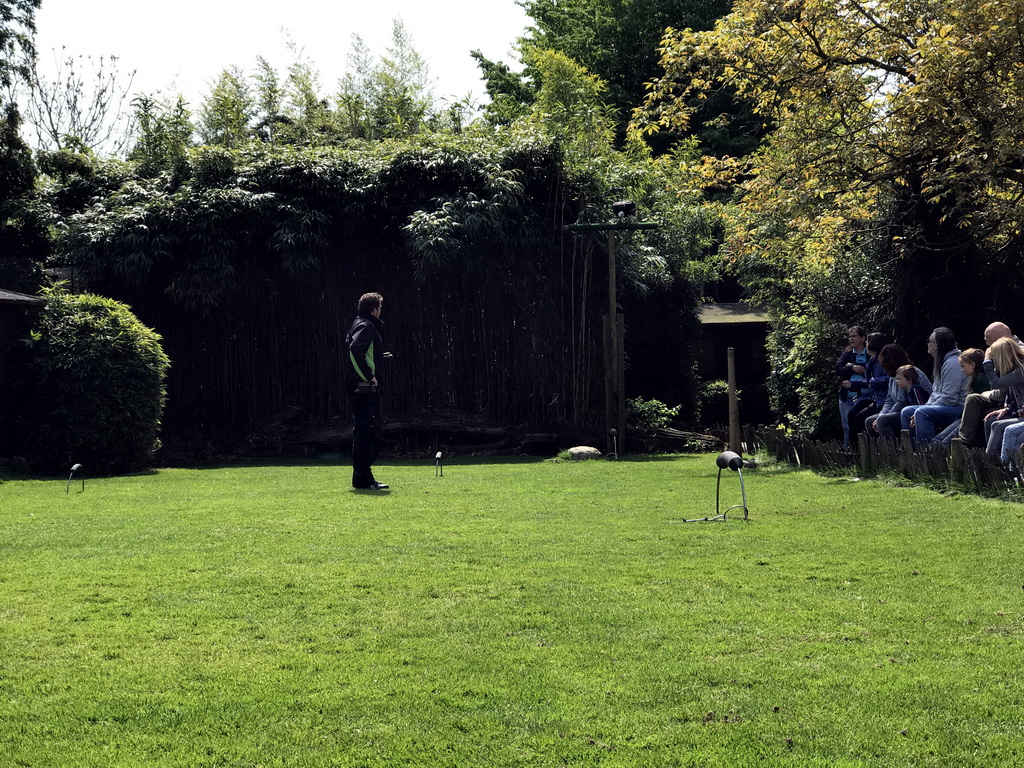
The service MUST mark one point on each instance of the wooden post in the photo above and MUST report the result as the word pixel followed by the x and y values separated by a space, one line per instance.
pixel 956 460
pixel 614 353
pixel 620 379
pixel 614 347
pixel 908 466
pixel 609 378
pixel 735 442
pixel 864 456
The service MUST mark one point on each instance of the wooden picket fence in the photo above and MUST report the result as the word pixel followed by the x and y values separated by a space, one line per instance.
pixel 750 436
pixel 969 467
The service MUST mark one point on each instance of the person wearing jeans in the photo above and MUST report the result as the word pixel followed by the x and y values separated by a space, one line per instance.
pixel 1004 365
pixel 886 423
pixel 949 390
pixel 851 369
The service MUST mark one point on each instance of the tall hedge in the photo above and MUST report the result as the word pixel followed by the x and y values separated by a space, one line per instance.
pixel 93 387
pixel 249 263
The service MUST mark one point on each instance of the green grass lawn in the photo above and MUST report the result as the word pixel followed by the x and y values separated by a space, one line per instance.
pixel 511 613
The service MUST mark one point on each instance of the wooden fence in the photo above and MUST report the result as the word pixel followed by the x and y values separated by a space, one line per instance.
pixel 964 465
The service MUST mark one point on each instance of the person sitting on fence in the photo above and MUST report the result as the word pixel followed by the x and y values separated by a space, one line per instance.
pixel 949 391
pixel 1010 455
pixel 873 389
pixel 1005 369
pixel 978 406
pixel 971 363
pixel 907 377
pixel 887 422
pixel 851 369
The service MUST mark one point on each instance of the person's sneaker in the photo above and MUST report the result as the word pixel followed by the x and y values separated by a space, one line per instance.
pixel 375 486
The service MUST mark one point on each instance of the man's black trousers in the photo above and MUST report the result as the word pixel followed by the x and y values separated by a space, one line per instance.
pixel 367 427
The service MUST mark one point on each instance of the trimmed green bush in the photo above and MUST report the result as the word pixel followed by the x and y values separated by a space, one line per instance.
pixel 94 387
pixel 714 402
pixel 650 415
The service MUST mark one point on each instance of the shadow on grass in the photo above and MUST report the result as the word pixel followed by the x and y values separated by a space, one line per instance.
pixel 10 477
pixel 343 462
pixel 405 461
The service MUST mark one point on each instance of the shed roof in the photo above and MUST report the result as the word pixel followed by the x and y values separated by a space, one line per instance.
pixel 730 313
pixel 22 299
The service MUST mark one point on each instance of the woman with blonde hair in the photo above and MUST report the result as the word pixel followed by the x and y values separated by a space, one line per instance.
pixel 1005 370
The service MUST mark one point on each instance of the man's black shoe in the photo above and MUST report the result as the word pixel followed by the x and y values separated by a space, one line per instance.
pixel 374 486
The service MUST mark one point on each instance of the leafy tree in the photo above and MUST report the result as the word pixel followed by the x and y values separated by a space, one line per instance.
pixel 390 97
pixel 226 113
pixel 17 24
pixel 269 102
pixel 94 387
pixel 511 97
pixel 24 241
pixel 23 237
pixel 570 105
pixel 165 134
pixel 893 145
pixel 310 121
pixel 617 40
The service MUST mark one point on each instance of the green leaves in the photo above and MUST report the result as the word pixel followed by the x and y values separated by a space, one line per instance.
pixel 93 386
pixel 241 215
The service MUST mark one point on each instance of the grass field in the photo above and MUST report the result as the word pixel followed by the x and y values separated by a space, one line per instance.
pixel 511 613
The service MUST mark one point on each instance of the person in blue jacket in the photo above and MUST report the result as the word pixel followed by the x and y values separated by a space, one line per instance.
pixel 851 369
pixel 949 390
pixel 873 389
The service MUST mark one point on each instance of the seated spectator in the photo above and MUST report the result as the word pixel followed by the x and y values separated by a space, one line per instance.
pixel 906 379
pixel 971 364
pixel 1009 455
pixel 873 389
pixel 851 369
pixel 887 422
pixel 1005 369
pixel 949 391
pixel 978 406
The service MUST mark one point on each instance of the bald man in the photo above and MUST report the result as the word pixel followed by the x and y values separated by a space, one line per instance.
pixel 978 406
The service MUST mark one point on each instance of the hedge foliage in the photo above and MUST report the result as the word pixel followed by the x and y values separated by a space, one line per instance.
pixel 249 262
pixel 93 387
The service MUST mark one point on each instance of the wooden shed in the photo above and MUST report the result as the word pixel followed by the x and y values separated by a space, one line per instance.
pixel 744 328
pixel 16 310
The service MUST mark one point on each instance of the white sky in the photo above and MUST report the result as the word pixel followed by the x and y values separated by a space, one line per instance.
pixel 183 45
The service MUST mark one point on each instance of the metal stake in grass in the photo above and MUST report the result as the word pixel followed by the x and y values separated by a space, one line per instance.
pixel 75 468
pixel 614 455
pixel 438 469
pixel 725 460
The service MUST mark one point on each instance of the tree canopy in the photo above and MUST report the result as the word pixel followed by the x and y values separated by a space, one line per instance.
pixel 17 24
pixel 23 229
pixel 616 41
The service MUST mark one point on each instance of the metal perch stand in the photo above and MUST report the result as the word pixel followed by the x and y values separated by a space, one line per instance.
pixel 733 461
pixel 75 468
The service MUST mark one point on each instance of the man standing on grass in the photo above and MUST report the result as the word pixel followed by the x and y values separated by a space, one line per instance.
pixel 363 348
